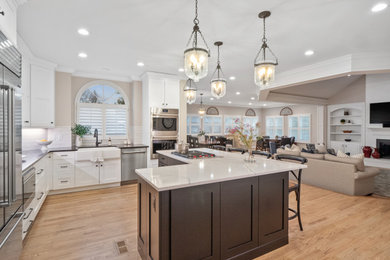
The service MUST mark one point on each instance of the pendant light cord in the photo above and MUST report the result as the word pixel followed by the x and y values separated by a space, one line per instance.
pixel 196 20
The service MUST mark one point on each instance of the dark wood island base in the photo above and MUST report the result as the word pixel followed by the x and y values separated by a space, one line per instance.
pixel 238 219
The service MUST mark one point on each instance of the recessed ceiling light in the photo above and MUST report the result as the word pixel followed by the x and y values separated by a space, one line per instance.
pixel 83 31
pixel 211 98
pixel 140 64
pixel 181 70
pixel 232 78
pixel 229 102
pixel 249 103
pixel 378 7
pixel 264 105
pixel 252 98
pixel 309 52
pixel 238 93
pixel 349 75
pixel 83 55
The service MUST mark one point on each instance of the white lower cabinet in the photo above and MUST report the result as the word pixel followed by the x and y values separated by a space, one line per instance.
pixel 110 171
pixel 87 173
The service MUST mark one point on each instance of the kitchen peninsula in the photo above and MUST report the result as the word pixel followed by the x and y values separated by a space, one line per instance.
pixel 212 208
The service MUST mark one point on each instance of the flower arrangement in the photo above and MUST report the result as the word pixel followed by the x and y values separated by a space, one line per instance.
pixel 247 134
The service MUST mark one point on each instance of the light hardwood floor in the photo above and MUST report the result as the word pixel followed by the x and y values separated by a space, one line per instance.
pixel 85 225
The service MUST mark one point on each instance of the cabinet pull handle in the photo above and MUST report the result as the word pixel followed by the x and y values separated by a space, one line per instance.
pixel 64 181
pixel 29 227
pixel 63 167
pixel 97 165
pixel 2 13
pixel 27 121
pixel 64 155
pixel 101 165
pixel 40 171
pixel 154 203
pixel 28 215
pixel 41 196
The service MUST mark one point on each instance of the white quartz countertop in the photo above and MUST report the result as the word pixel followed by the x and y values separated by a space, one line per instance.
pixel 224 167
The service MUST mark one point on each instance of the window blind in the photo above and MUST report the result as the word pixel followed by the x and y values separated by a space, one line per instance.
pixel 91 116
pixel 116 121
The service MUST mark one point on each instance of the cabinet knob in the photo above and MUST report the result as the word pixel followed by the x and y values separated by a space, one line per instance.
pixel 51 123
pixel 26 121
pixel 2 13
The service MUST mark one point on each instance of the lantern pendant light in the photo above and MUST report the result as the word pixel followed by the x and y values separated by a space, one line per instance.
pixel 202 109
pixel 196 57
pixel 264 66
pixel 218 85
pixel 190 91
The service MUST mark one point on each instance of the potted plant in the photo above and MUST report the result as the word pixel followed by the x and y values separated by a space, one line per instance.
pixel 342 121
pixel 79 131
pixel 201 136
pixel 247 134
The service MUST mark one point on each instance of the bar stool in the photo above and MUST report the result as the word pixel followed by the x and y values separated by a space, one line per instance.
pixel 263 153
pixel 295 187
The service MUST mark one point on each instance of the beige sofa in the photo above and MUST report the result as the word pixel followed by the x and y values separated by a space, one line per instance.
pixel 344 175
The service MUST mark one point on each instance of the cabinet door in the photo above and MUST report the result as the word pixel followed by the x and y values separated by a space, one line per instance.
pixel 26 92
pixel 172 93
pixel 142 217
pixel 239 216
pixel 156 93
pixel 195 228
pixel 42 96
pixel 110 171
pixel 8 20
pixel 86 173
pixel 352 148
pixel 273 207
pixel 153 225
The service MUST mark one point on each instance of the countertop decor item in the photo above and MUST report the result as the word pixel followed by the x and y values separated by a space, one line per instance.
pixel 44 143
pixel 342 121
pixel 264 65
pixel 247 135
pixel 79 131
pixel 376 154
pixel 218 84
pixel 190 91
pixel 367 150
pixel 347 131
pixel 348 140
pixel 196 57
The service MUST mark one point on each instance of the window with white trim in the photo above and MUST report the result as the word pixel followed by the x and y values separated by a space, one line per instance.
pixel 274 126
pixel 193 124
pixel 230 123
pixel 103 107
pixel 252 122
pixel 212 125
pixel 299 126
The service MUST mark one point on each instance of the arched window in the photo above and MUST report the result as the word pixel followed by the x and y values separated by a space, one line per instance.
pixel 103 106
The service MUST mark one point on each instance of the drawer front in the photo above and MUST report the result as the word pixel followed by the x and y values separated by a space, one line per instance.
pixel 64 156
pixel 63 182
pixel 63 167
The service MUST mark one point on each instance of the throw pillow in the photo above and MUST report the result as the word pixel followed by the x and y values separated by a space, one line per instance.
pixel 311 147
pixel 341 154
pixel 358 156
pixel 321 148
pixel 306 151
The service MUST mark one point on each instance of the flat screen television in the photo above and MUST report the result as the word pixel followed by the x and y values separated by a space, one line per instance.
pixel 380 113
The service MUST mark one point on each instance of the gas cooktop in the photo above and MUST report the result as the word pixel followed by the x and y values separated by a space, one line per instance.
pixel 194 154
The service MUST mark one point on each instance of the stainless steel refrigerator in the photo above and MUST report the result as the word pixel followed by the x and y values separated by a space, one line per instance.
pixel 11 190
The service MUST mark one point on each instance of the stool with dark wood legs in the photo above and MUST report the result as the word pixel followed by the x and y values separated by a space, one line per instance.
pixel 295 186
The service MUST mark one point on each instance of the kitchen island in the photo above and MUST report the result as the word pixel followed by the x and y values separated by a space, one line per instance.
pixel 212 208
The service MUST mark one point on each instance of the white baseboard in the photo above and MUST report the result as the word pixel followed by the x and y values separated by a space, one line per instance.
pixel 92 187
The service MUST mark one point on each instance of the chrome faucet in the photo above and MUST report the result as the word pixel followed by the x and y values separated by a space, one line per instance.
pixel 96 135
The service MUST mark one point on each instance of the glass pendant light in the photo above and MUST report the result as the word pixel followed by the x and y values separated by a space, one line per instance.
pixel 218 85
pixel 202 109
pixel 196 57
pixel 264 66
pixel 190 91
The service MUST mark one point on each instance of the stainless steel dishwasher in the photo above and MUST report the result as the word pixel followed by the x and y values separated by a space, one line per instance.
pixel 131 159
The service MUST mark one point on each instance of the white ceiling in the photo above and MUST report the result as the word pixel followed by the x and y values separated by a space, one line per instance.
pixel 322 89
pixel 123 32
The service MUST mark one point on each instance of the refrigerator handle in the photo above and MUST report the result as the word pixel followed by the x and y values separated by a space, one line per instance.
pixel 12 152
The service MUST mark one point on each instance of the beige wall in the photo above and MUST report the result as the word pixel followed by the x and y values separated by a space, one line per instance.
pixel 354 93
pixel 68 86
pixel 297 109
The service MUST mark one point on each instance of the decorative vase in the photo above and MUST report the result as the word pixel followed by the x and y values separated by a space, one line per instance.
pixel 250 157
pixel 376 154
pixel 367 150
pixel 79 141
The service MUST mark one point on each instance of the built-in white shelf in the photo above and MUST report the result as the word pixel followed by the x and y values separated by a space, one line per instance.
pixel 341 133
pixel 349 116
pixel 345 125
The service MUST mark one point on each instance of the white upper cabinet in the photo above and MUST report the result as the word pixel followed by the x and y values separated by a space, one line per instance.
pixel 26 90
pixel 161 90
pixel 42 103
pixel 8 20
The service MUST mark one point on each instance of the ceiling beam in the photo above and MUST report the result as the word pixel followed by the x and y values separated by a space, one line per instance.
pixel 295 99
